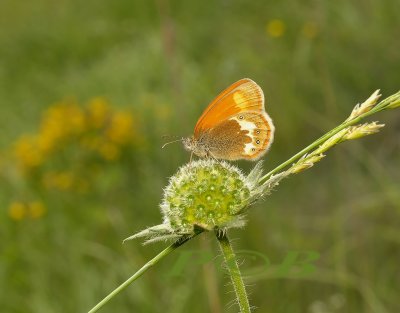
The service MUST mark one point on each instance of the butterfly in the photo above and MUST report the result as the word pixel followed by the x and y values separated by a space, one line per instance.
pixel 234 125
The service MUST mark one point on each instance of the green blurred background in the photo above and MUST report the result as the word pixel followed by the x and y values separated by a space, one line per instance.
pixel 88 89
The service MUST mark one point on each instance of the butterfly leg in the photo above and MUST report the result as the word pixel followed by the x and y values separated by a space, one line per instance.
pixel 211 156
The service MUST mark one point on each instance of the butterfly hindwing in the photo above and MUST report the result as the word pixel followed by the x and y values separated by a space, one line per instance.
pixel 246 135
pixel 261 131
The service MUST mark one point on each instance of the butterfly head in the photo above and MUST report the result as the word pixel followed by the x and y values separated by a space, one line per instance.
pixel 193 145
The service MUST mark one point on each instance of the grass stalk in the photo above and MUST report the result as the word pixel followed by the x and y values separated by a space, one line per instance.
pixel 379 107
pixel 234 272
pixel 141 271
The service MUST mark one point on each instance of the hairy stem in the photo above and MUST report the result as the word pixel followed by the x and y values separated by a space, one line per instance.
pixel 141 271
pixel 379 107
pixel 234 272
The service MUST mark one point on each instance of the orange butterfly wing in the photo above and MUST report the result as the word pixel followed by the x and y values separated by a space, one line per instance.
pixel 235 124
pixel 244 95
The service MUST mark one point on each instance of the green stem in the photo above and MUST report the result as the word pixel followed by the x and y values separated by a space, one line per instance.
pixel 379 107
pixel 141 271
pixel 234 272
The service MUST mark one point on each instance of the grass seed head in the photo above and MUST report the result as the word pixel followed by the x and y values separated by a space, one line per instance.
pixel 365 106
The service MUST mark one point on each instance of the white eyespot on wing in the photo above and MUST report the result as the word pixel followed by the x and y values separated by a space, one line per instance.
pixel 249 148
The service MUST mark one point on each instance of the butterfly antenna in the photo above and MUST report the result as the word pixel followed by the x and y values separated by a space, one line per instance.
pixel 167 143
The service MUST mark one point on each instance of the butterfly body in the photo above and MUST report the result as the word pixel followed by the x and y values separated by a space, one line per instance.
pixel 234 125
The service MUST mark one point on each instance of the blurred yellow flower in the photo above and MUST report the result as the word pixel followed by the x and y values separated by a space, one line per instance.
pixel 109 151
pixel 26 152
pixel 58 180
pixel 53 123
pixel 121 129
pixel 64 180
pixel 98 112
pixel 309 30
pixel 36 209
pixel 76 119
pixel 70 139
pixel 276 28
pixel 63 119
pixel 17 211
pixel 46 142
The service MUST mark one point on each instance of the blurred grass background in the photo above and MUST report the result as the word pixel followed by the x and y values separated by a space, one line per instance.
pixel 88 89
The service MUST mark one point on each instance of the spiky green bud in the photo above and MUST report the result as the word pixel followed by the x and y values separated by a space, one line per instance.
pixel 207 194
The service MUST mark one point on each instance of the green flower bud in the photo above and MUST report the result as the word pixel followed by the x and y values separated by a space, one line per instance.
pixel 211 195
pixel 206 195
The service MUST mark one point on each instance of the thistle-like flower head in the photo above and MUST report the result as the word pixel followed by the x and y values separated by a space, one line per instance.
pixel 205 195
